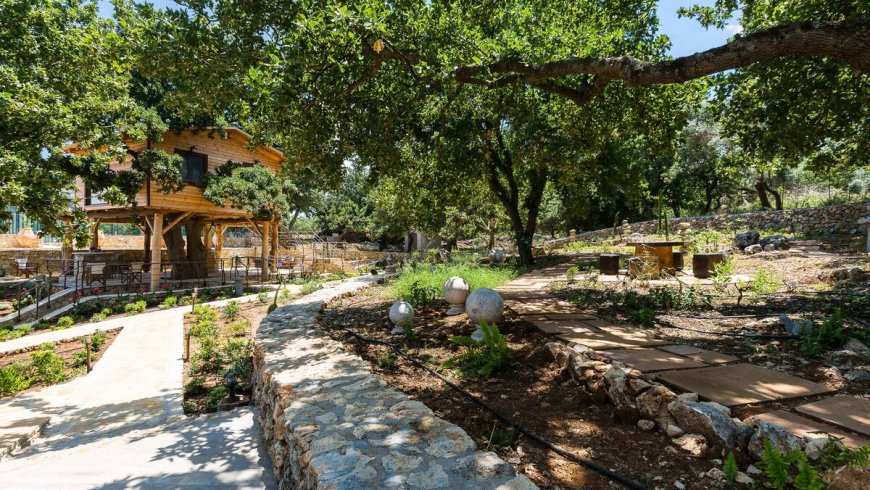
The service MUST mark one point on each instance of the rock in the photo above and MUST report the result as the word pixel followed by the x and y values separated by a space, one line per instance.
pixel 744 433
pixel 645 424
pixel 752 249
pixel 744 479
pixel 484 260
pixel 694 444
pixel 709 419
pixel 638 386
pixel 673 430
pixel 857 347
pixel 679 485
pixel 858 376
pixel 653 403
pixel 774 242
pixel 753 470
pixel 781 439
pixel 716 474
pixel 687 397
pixel 796 327
pixel 484 305
pixel 745 239
pixel 814 446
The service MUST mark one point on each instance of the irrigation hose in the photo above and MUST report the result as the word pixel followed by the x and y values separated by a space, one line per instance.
pixel 524 430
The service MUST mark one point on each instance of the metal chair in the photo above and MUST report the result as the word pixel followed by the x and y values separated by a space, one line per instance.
pixel 96 272
pixel 23 269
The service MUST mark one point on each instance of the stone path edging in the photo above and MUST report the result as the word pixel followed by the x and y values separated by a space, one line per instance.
pixel 330 423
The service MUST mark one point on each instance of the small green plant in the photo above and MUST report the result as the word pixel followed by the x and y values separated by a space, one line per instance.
pixel 63 323
pixel 480 357
pixel 135 307
pixel 204 313
pixel 232 310
pixel 169 302
pixel 645 316
pixel 47 367
pixel 388 361
pixel 97 341
pixel 722 273
pixel 310 287
pixel 240 327
pixel 205 328
pixel 764 282
pixel 14 378
pixel 101 315
pixel 80 359
pixel 263 297
pixel 196 386
pixel 214 397
pixel 184 301
pixel 730 469
pixel 571 273
pixel 829 335
pixel 835 454
pixel 504 437
pixel 778 468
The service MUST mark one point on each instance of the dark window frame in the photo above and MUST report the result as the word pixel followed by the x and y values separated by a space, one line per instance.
pixel 90 197
pixel 188 153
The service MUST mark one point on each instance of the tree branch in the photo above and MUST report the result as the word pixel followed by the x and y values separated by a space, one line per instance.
pixel 847 41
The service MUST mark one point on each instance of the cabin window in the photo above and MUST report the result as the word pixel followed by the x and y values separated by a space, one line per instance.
pixel 92 198
pixel 195 166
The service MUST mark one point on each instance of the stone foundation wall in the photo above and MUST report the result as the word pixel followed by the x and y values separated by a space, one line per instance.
pixel 828 220
pixel 328 422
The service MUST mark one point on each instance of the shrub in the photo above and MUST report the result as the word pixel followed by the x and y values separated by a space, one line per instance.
pixel 645 316
pixel 204 313
pixel 480 358
pixel 47 366
pixel 232 310
pixel 97 340
pixel 263 297
pixel 432 278
pixel 238 353
pixel 64 322
pixel 169 302
pixel 205 328
pixel 14 378
pixel 310 287
pixel 214 397
pixel 135 307
pixel 184 300
pixel 829 335
pixel 80 359
pixel 240 327
pixel 13 333
pixel 101 315
pixel 195 386
pixel 388 361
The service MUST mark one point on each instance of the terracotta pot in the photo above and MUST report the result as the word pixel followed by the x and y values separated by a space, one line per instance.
pixel 27 239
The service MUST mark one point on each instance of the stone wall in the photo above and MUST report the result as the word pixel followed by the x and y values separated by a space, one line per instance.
pixel 329 422
pixel 828 220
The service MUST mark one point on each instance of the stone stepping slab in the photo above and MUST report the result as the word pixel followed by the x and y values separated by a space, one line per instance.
pixel 562 326
pixel 541 307
pixel 805 427
pixel 618 339
pixel 570 316
pixel 740 384
pixel 700 355
pixel 651 360
pixel 846 411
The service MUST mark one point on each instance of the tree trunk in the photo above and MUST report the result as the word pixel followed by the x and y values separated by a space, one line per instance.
pixel 761 189
pixel 197 253
pixel 175 252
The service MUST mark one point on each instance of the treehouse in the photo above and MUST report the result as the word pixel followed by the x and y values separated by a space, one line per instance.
pixel 190 226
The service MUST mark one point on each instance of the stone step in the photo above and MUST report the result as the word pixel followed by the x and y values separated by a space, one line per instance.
pixel 741 384
pixel 802 427
pixel 650 360
pixel 846 411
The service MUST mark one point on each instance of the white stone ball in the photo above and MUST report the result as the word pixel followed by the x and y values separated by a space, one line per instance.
pixel 486 305
pixel 401 314
pixel 455 291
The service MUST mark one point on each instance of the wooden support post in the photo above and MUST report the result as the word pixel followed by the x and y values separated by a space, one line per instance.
pixel 264 251
pixel 146 257
pixel 156 242
pixel 219 243
pixel 95 239
pixel 209 254
pixel 274 247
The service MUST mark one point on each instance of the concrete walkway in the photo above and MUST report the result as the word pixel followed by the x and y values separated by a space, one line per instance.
pixel 712 375
pixel 122 425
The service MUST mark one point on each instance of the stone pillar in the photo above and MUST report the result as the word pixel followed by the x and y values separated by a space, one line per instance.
pixel 264 250
pixel 156 245
pixel 866 222
pixel 572 234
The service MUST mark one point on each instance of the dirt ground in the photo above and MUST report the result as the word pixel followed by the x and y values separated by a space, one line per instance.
pixel 530 391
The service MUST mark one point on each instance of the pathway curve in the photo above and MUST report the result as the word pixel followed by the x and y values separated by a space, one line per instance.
pixel 122 425
pixel 714 376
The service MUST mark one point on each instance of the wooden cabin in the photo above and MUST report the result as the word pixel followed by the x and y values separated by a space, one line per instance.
pixel 157 213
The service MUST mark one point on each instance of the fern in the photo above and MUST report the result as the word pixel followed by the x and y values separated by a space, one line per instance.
pixel 730 469
pixel 835 455
pixel 480 358
pixel 807 478
pixel 775 465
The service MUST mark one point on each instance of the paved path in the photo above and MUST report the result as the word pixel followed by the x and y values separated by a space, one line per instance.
pixel 713 375
pixel 122 425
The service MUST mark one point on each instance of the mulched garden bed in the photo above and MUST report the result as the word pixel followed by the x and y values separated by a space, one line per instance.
pixel 531 390
pixel 72 352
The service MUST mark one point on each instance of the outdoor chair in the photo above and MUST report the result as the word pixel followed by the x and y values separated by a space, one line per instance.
pixel 134 273
pixel 23 269
pixel 96 273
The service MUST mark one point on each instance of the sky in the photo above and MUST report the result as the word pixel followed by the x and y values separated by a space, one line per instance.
pixel 687 36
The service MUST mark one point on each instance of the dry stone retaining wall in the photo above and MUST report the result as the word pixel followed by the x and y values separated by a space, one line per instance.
pixel 827 220
pixel 330 423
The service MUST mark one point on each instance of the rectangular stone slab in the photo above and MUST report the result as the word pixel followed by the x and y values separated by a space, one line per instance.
pixel 846 411
pixel 569 316
pixel 700 355
pixel 651 360
pixel 608 340
pixel 563 326
pixel 739 384
pixel 802 426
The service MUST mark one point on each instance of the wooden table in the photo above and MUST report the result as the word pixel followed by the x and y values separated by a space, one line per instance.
pixel 662 251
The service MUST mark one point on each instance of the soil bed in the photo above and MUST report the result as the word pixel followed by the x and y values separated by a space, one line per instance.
pixel 530 390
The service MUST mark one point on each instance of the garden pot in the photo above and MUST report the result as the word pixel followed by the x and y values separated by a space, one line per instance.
pixel 608 264
pixel 27 239
pixel 703 264
pixel 678 261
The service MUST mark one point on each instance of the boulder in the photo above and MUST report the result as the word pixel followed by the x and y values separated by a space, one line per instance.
pixel 775 242
pixel 745 239
pixel 709 419
pixel 782 440
pixel 645 424
pixel 752 249
pixel 857 347
pixel 653 403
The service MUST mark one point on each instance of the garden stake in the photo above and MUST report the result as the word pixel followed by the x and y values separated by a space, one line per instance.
pixel 88 350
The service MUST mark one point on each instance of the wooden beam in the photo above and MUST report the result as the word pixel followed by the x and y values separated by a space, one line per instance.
pixel 176 221
pixel 156 242
pixel 257 229
pixel 264 252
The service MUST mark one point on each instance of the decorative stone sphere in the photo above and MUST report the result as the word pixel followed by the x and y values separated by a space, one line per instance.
pixel 497 256
pixel 455 291
pixel 401 314
pixel 484 305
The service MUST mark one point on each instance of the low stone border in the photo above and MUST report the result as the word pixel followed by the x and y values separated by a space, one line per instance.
pixel 695 427
pixel 330 423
